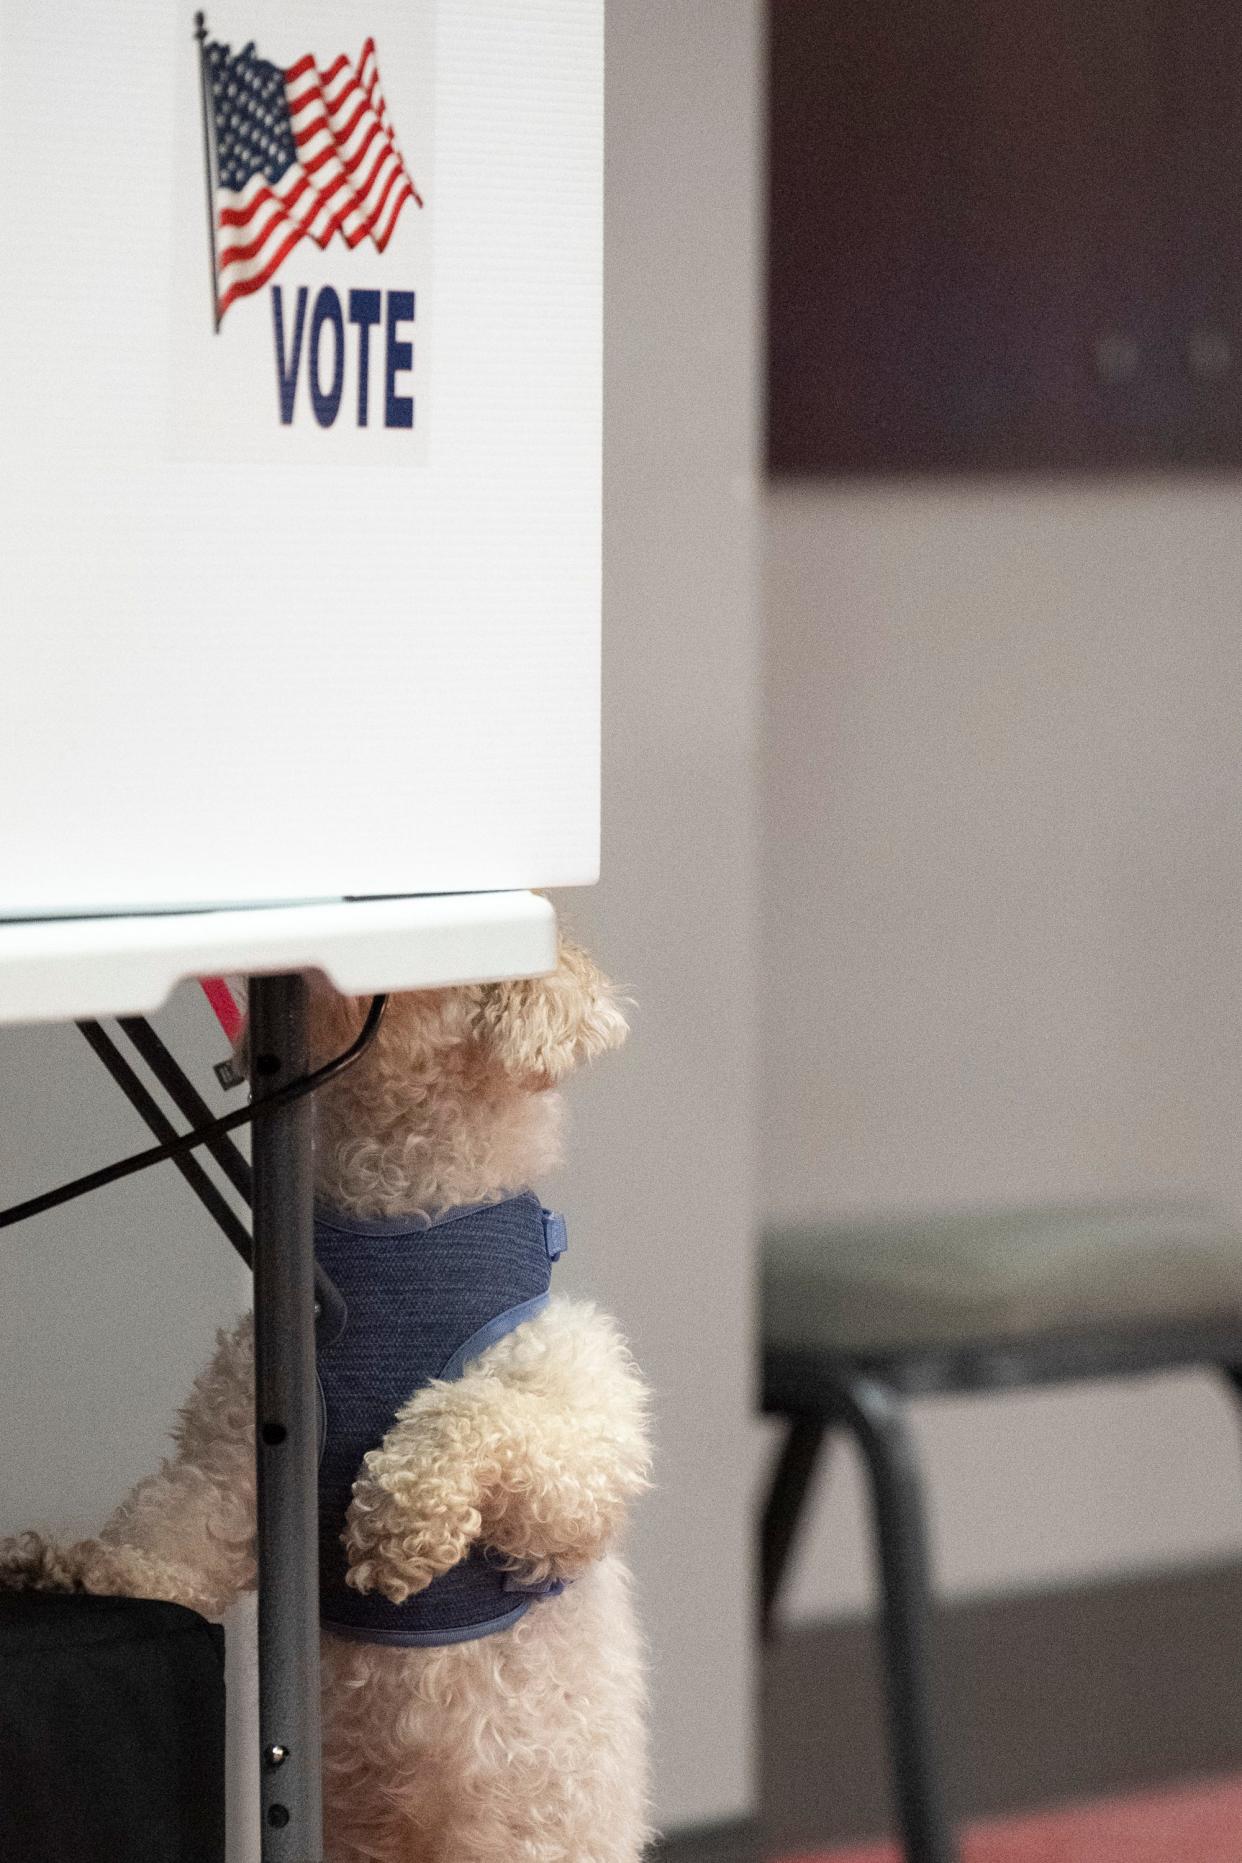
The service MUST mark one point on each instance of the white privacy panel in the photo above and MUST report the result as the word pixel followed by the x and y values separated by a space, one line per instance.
pixel 300 389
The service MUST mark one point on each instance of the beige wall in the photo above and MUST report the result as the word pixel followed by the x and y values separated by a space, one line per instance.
pixel 660 1182
pixel 1002 939
pixel 109 1304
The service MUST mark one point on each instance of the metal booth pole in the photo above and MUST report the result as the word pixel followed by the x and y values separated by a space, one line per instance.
pixel 285 1431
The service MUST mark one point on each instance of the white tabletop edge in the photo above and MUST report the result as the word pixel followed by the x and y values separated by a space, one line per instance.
pixel 54 970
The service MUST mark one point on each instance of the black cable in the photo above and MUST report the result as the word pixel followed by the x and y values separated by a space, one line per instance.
pixel 188 1100
pixel 150 1112
pixel 175 1148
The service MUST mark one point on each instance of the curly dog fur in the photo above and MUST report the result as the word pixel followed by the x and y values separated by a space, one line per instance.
pixel 526 1746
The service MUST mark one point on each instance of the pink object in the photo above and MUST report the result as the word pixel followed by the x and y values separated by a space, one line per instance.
pixel 1192 1824
pixel 221 998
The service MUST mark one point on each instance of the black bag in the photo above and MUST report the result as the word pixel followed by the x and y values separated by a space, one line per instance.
pixel 111 1731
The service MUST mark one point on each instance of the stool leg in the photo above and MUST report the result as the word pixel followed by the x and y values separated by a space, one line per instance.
pixel 876 1415
pixel 1233 1378
pixel 791 1480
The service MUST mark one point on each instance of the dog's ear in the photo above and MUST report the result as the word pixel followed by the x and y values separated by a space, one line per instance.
pixel 539 1028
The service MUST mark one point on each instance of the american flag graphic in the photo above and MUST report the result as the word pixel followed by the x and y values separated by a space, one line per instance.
pixel 300 153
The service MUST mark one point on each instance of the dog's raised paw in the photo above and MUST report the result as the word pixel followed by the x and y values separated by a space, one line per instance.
pixel 396 1550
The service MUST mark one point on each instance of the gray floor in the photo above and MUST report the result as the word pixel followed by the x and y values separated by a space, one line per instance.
pixel 1068 1694
pixel 1045 1698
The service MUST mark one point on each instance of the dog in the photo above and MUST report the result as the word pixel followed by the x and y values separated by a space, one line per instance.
pixel 498 1487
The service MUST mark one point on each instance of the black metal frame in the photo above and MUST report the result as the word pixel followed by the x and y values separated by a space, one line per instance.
pixel 286 1418
pixel 819 1393
pixel 156 1121
pixel 279 1185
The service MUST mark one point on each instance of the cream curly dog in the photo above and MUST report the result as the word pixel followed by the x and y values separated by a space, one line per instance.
pixel 526 1744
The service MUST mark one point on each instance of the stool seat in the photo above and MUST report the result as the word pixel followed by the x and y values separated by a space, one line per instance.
pixel 886 1285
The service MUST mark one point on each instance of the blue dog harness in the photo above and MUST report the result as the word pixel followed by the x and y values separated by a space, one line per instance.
pixel 412 1301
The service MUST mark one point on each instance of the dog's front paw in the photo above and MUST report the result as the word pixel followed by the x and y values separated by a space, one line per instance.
pixel 28 1562
pixel 395 1541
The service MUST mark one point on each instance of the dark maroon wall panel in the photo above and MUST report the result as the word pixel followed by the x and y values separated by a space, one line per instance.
pixel 1004 234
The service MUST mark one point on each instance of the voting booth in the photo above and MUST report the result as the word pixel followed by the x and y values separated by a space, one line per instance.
pixel 300 365
pixel 300 352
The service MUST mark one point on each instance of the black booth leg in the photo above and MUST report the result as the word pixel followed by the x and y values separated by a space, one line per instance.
pixel 796 1463
pixel 876 1415
pixel 285 1419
